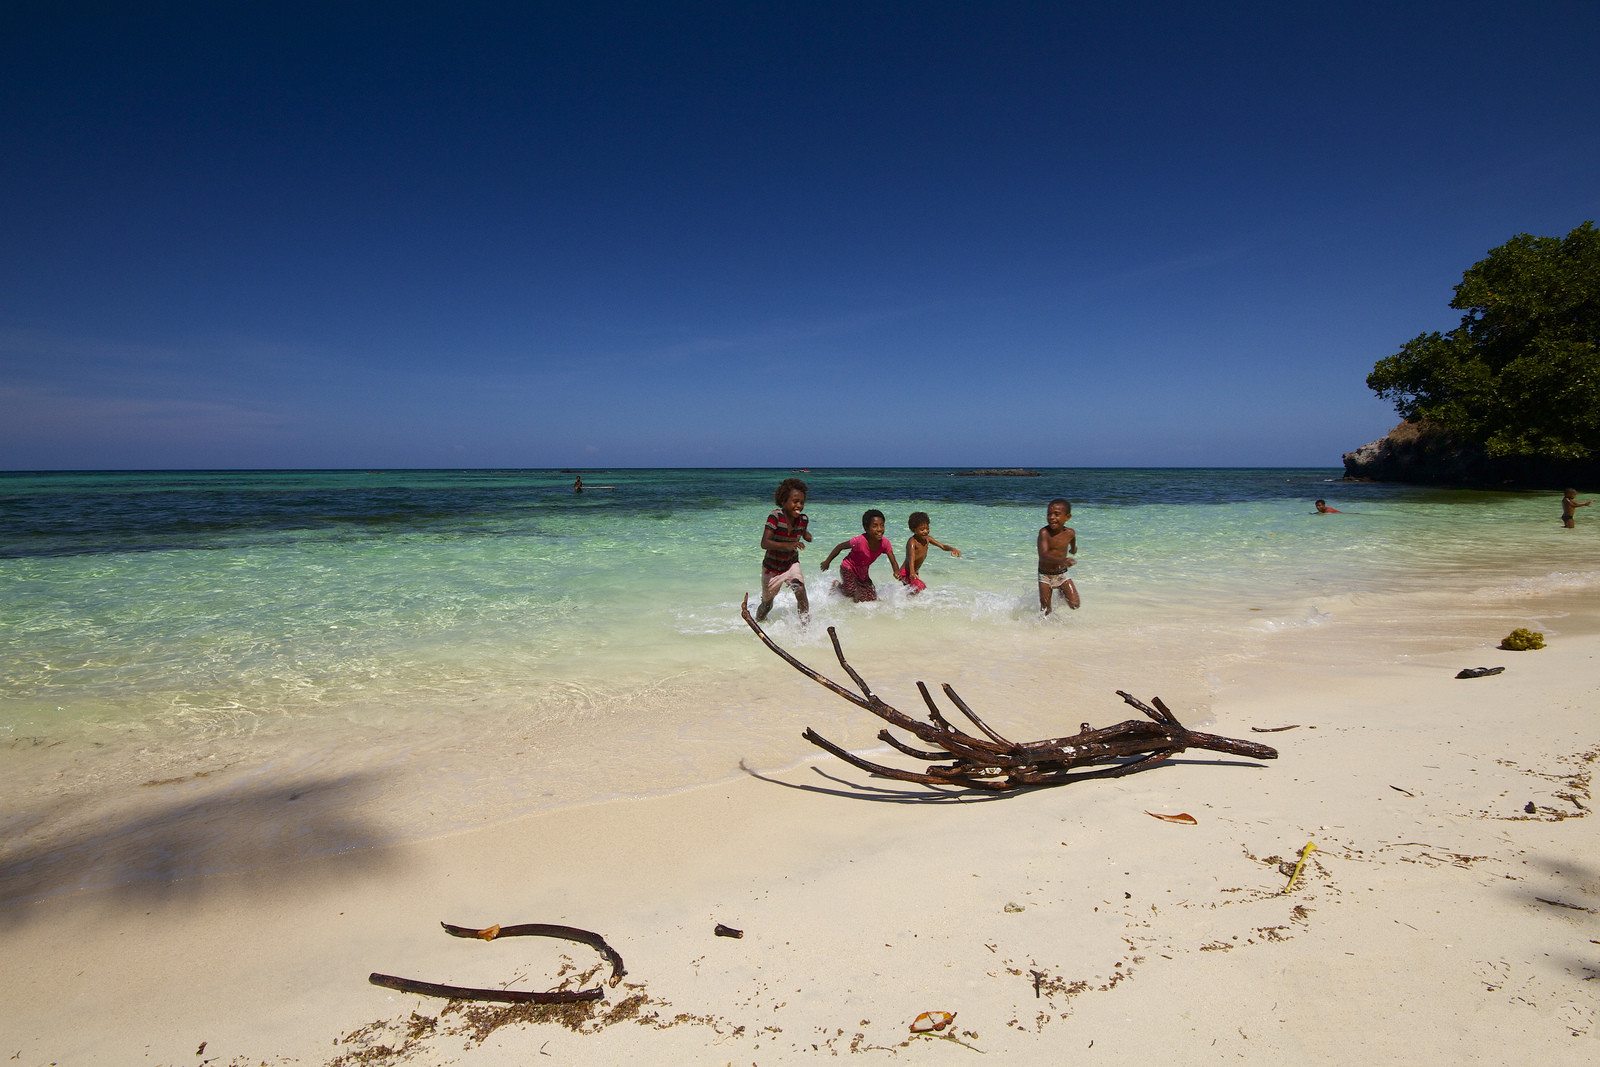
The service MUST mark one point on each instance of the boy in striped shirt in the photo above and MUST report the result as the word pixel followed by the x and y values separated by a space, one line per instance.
pixel 785 535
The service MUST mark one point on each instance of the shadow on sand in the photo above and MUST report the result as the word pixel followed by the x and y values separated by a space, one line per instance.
pixel 913 793
pixel 1568 895
pixel 159 848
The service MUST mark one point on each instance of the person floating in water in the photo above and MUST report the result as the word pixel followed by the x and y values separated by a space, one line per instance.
pixel 1569 506
pixel 1057 545
pixel 917 551
pixel 864 548
pixel 783 538
pixel 1324 509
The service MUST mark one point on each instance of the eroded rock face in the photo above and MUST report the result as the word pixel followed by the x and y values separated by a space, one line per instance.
pixel 1420 453
pixel 1411 452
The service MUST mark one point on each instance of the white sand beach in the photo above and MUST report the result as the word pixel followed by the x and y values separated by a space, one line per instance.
pixel 1436 918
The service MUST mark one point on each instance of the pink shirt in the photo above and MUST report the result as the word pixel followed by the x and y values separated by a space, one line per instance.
pixel 861 556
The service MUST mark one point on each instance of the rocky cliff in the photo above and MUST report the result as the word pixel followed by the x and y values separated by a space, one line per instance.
pixel 1420 453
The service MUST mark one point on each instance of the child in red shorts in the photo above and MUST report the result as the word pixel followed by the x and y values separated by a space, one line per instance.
pixel 917 551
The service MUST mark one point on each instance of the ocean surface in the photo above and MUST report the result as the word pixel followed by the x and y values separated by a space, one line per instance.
pixel 442 649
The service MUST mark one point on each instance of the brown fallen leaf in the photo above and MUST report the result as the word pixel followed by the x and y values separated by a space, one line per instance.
pixel 932 1020
pixel 1186 819
pixel 489 933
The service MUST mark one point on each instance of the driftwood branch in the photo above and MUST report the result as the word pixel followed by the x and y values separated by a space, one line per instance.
pixel 990 762
pixel 512 996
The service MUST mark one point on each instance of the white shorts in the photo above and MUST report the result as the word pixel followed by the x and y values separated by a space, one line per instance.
pixel 772 584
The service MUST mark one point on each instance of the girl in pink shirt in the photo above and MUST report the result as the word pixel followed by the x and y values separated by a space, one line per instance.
pixel 853 577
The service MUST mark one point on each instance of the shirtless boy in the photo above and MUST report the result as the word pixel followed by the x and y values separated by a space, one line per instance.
pixel 1057 545
pixel 783 538
pixel 917 551
pixel 1569 506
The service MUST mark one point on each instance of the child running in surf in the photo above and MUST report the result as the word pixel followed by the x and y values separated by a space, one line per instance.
pixel 868 546
pixel 917 551
pixel 1057 545
pixel 785 535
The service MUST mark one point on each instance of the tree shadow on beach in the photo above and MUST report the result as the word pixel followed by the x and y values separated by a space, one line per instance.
pixel 163 849
pixel 912 793
pixel 1569 894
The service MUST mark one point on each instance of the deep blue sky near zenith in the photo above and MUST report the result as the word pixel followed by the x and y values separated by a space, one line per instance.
pixel 254 234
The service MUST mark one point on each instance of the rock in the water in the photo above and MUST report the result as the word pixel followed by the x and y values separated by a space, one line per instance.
pixel 991 472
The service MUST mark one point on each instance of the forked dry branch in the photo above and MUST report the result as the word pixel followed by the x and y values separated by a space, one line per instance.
pixel 993 763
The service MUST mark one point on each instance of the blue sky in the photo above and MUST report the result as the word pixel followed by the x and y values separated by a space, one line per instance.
pixel 755 234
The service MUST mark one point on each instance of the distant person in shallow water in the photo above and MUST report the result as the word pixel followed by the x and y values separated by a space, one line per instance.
pixel 1570 504
pixel 1324 509
pixel 783 538
pixel 1057 545
pixel 577 484
pixel 864 548
pixel 917 551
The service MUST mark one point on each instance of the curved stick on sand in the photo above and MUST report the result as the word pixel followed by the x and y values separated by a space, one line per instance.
pixel 512 996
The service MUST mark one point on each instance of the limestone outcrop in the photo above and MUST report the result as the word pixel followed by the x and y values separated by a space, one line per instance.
pixel 1420 453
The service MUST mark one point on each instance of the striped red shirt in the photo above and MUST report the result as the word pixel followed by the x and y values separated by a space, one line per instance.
pixel 781 529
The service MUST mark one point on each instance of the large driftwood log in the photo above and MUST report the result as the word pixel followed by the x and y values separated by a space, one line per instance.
pixel 993 763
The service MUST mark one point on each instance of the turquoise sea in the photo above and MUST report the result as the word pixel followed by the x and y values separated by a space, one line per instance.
pixel 446 648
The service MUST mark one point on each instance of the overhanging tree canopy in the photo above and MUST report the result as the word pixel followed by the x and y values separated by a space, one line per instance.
pixel 1521 375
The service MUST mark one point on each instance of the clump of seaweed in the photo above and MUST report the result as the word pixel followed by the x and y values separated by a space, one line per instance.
pixel 1522 640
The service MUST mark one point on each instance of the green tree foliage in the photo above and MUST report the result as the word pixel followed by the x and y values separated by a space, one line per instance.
pixel 1521 375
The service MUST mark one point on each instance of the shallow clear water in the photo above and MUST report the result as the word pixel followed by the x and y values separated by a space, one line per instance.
pixel 493 639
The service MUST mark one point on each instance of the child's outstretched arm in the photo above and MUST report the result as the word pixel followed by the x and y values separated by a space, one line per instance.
pixel 894 568
pixel 953 551
pixel 838 548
